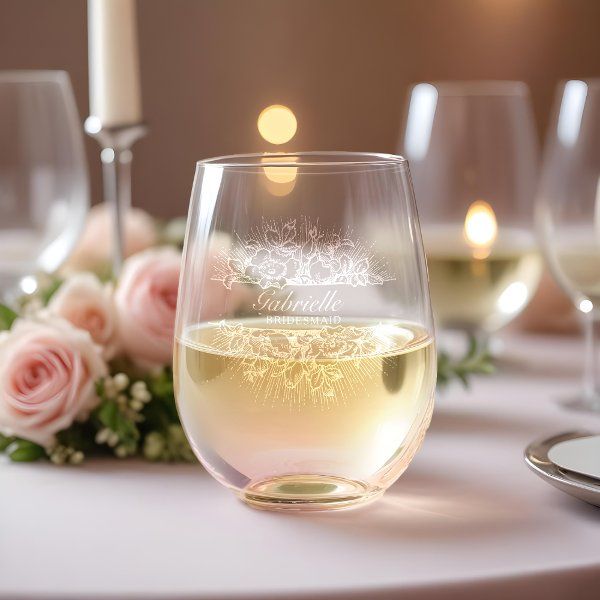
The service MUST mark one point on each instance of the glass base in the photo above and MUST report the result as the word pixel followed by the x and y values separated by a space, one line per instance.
pixel 582 403
pixel 308 493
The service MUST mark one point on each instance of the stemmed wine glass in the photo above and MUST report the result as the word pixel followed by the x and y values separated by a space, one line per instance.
pixel 44 194
pixel 569 214
pixel 473 153
pixel 304 358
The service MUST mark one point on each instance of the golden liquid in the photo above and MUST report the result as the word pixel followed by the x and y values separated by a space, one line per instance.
pixel 579 267
pixel 473 293
pixel 261 401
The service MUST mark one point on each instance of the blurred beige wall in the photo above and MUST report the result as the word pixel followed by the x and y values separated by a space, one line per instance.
pixel 343 66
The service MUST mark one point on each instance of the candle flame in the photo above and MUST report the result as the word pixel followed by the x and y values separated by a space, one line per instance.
pixel 481 228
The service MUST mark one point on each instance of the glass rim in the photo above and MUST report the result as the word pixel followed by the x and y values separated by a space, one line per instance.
pixel 477 87
pixel 32 75
pixel 260 160
pixel 589 81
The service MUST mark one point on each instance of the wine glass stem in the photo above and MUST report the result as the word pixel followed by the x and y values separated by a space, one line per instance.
pixel 591 374
pixel 116 166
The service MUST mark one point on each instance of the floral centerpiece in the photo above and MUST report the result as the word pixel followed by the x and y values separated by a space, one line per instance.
pixel 85 362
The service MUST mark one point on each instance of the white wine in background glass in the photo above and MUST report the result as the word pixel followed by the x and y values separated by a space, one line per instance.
pixel 312 385
pixel 473 153
pixel 44 195
pixel 568 215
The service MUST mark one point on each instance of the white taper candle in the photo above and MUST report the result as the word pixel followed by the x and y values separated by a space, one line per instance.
pixel 113 62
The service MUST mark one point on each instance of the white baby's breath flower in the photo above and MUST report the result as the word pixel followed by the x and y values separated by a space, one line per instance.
pixel 121 451
pixel 102 436
pixel 121 381
pixel 136 405
pixel 77 458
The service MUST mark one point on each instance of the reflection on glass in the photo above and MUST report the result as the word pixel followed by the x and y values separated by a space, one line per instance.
pixel 280 180
pixel 569 213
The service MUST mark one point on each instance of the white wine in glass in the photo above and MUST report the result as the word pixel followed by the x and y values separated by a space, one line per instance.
pixel 577 267
pixel 568 212
pixel 315 390
pixel 475 288
pixel 473 154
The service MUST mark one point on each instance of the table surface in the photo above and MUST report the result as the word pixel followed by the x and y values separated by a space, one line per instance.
pixel 467 518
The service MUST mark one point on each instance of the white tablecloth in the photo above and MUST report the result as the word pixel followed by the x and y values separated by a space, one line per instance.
pixel 467 520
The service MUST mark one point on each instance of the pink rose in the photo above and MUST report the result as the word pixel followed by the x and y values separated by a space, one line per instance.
pixel 47 373
pixel 94 249
pixel 146 300
pixel 88 304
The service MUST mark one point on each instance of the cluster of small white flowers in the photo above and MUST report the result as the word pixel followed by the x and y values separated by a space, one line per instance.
pixel 113 386
pixel 131 403
pixel 107 436
pixel 60 455
pixel 139 395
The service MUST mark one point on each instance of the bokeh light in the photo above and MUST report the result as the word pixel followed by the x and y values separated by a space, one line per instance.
pixel 277 124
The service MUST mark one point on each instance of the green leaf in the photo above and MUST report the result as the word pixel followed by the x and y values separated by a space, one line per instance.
pixel 5 442
pixel 25 451
pixel 99 385
pixel 477 360
pixel 162 384
pixel 107 413
pixel 7 317
pixel 126 429
pixel 472 348
pixel 49 291
pixel 79 436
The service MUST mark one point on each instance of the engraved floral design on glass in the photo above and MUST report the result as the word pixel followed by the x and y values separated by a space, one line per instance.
pixel 298 252
pixel 288 359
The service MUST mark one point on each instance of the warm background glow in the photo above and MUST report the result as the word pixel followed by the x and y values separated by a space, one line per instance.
pixel 214 112
pixel 277 124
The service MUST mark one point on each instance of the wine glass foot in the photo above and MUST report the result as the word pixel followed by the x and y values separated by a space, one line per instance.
pixel 308 493
pixel 582 403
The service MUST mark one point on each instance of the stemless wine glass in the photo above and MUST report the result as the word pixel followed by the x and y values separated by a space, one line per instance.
pixel 43 178
pixel 569 214
pixel 304 359
pixel 474 156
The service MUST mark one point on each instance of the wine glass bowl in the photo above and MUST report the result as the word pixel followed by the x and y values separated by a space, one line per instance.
pixel 44 194
pixel 310 386
pixel 473 153
pixel 568 213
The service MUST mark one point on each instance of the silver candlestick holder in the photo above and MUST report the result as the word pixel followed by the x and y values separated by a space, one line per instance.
pixel 116 155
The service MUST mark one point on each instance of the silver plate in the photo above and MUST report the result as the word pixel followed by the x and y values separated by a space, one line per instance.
pixel 580 486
